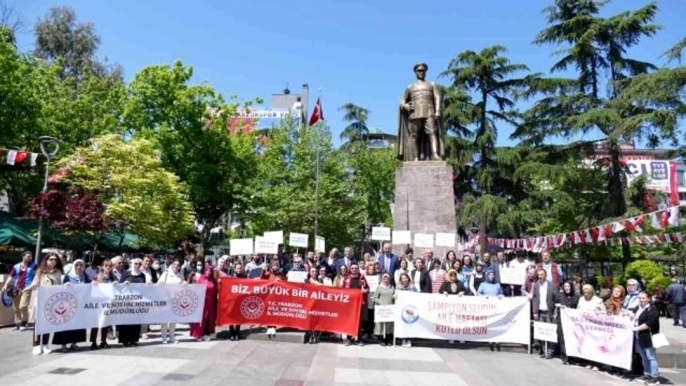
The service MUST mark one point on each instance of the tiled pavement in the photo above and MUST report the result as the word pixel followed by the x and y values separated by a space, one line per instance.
pixel 285 364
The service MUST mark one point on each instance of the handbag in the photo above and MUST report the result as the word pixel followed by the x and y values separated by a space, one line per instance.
pixel 660 340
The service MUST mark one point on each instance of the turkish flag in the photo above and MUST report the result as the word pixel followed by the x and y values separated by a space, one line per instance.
pixel 317 113
pixel 21 156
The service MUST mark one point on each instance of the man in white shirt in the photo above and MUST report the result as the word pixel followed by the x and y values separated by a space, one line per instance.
pixel 543 304
pixel 521 264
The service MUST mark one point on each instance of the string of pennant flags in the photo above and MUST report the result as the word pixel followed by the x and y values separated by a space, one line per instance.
pixel 602 234
pixel 17 157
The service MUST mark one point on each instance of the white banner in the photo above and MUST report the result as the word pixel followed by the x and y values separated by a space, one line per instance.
pixel 402 237
pixel 445 239
pixel 598 337
pixel 264 114
pixel 319 244
pixel 298 240
pixel 545 331
pixel 372 282
pixel 468 318
pixel 296 276
pixel 424 240
pixel 274 236
pixel 61 308
pixel 265 245
pixel 240 247
pixel 384 313
pixel 656 172
pixel 512 275
pixel 381 233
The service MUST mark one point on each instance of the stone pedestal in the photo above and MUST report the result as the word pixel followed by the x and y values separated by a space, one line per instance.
pixel 424 201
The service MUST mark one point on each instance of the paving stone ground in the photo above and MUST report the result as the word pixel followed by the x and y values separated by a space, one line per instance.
pixel 249 362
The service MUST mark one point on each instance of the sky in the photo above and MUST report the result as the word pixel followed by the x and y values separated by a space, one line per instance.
pixel 354 51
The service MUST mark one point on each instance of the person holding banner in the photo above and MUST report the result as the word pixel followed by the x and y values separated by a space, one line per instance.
pixel 565 299
pixel 341 277
pixel 357 281
pixel 646 324
pixel 235 329
pixel 104 276
pixel 130 334
pixel 420 277
pixel 476 279
pixel 49 273
pixel 437 275
pixel 384 296
pixel 314 278
pixel 405 284
pixel 76 276
pixel 171 276
pixel 543 303
pixel 373 278
pixel 202 331
pixel 452 286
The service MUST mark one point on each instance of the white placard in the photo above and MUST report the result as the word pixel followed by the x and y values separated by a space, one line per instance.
pixel 372 282
pixel 298 240
pixel 297 276
pixel 445 239
pixel 402 237
pixel 468 318
pixel 384 313
pixel 424 240
pixel 61 308
pixel 512 275
pixel 545 331
pixel 274 236
pixel 241 247
pixel 319 244
pixel 381 233
pixel 264 245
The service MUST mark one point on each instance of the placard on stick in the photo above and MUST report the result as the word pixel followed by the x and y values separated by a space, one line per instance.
pixel 298 240
pixel 424 240
pixel 402 237
pixel 381 233
pixel 241 247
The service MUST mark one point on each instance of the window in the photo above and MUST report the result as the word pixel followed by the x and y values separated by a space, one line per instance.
pixel 680 178
pixel 682 196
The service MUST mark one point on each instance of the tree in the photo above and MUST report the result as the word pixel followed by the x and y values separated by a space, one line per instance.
pixel 61 39
pixel 190 125
pixel 357 130
pixel 283 187
pixel 488 75
pixel 374 180
pixel 597 48
pixel 137 192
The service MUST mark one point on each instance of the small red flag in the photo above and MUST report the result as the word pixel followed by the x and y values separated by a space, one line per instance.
pixel 317 113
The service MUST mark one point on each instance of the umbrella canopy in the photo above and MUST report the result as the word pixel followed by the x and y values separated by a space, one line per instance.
pixel 13 233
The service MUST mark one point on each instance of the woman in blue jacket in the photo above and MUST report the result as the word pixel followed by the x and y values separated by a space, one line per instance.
pixel 490 287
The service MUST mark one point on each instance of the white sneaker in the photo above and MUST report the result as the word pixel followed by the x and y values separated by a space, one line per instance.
pixel 37 350
pixel 164 341
pixel 206 338
pixel 22 328
pixel 173 341
pixel 46 350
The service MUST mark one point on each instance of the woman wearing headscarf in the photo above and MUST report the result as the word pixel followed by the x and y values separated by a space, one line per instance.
pixel 235 329
pixel 476 278
pixel 384 296
pixel 490 287
pixel 452 286
pixel 49 273
pixel 613 305
pixel 105 276
pixel 131 333
pixel 564 299
pixel 590 303
pixel 202 331
pixel 172 276
pixel 76 276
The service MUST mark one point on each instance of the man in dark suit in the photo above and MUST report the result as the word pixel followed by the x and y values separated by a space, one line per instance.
pixel 346 259
pixel 388 261
pixel 543 304
pixel 420 277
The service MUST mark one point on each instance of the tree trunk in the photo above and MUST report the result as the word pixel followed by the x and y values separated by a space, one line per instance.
pixel 482 236
pixel 205 236
pixel 615 191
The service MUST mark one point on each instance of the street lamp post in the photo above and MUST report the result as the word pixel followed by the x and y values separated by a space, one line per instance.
pixel 44 143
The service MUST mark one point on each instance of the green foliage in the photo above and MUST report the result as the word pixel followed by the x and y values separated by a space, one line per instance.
pixel 357 130
pixel 190 125
pixel 661 282
pixel 374 180
pixel 643 269
pixel 282 189
pixel 137 191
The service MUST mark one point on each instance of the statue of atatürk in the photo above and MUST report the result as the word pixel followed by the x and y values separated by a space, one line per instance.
pixel 419 132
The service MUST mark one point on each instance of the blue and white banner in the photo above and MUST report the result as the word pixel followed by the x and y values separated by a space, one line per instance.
pixel 465 318
pixel 61 308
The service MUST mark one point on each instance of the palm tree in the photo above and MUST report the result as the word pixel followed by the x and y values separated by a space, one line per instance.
pixel 357 130
pixel 489 77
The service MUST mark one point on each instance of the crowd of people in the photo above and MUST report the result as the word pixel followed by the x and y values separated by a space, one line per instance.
pixel 377 277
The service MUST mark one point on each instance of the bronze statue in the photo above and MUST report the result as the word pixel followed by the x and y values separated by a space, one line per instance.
pixel 419 131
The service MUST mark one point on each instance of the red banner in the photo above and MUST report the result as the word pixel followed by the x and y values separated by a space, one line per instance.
pixel 284 304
